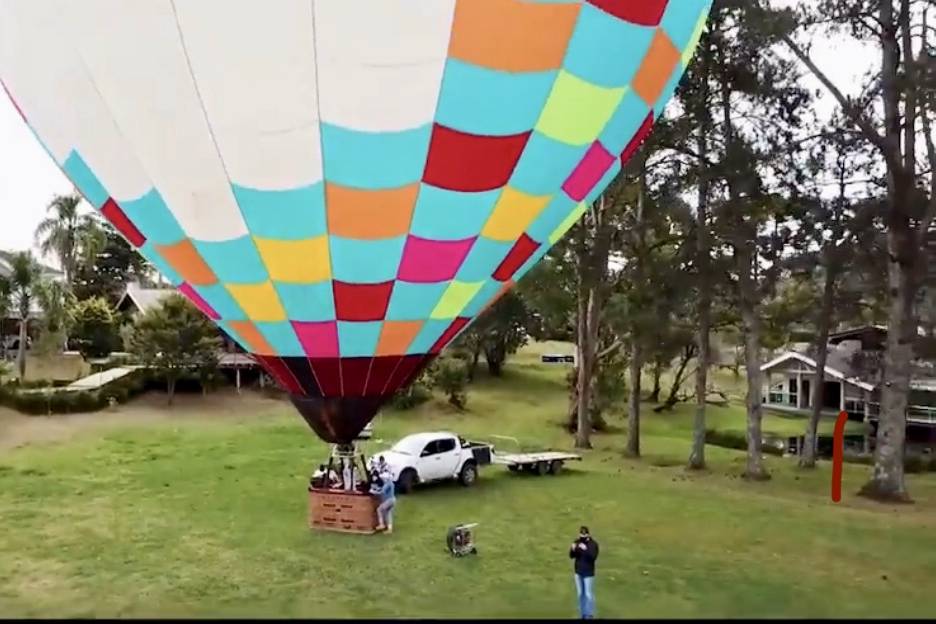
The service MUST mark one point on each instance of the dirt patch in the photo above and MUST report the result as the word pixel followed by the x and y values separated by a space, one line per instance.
pixel 18 430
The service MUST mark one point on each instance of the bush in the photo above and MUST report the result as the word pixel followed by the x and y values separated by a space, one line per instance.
pixel 450 376
pixel 414 395
pixel 738 440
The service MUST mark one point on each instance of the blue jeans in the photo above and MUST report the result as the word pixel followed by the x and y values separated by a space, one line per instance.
pixel 585 588
pixel 385 512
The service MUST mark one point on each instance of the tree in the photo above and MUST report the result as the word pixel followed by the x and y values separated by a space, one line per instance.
pixel 173 339
pixel 5 305
pixel 894 113
pixel 498 332
pixel 54 300
pixel 758 108
pixel 94 327
pixel 25 282
pixel 448 375
pixel 107 272
pixel 68 234
pixel 842 239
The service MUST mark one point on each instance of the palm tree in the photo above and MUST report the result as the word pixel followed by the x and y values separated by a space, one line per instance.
pixel 68 234
pixel 25 282
pixel 5 289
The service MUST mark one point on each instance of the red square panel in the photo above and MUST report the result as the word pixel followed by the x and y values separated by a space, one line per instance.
pixel 642 12
pixel 645 128
pixel 459 161
pixel 361 302
pixel 118 218
pixel 519 253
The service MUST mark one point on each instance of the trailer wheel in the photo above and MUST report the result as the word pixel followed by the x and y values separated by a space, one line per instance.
pixel 542 468
pixel 407 481
pixel 555 467
pixel 469 474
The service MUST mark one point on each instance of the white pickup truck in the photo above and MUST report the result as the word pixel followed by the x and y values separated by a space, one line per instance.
pixel 439 456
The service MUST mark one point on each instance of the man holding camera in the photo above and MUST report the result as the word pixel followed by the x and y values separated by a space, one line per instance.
pixel 584 551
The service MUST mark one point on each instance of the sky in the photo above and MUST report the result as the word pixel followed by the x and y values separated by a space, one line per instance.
pixel 29 178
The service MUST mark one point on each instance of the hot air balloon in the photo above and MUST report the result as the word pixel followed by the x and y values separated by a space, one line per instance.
pixel 343 185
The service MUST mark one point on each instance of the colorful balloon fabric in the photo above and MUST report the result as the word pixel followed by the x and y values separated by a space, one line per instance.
pixel 343 185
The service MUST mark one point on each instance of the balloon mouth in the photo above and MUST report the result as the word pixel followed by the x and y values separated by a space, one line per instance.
pixel 337 397
pixel 337 420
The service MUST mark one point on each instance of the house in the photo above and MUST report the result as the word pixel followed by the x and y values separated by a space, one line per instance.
pixel 137 299
pixel 851 382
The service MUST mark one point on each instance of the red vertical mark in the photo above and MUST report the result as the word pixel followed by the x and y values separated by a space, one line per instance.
pixel 838 449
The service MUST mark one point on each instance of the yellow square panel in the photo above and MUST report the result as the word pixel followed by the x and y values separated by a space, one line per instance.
pixel 296 261
pixel 259 301
pixel 513 214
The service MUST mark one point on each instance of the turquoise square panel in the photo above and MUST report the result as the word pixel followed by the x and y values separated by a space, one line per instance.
pixel 483 101
pixel 307 302
pixel 605 50
pixel 365 261
pixel 441 214
pixel 358 339
pixel 235 261
pixel 374 160
pixel 414 302
pixel 151 216
pixel 294 214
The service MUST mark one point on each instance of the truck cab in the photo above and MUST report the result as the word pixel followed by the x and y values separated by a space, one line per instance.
pixel 434 456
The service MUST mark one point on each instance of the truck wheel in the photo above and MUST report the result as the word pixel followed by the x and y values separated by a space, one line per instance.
pixel 513 468
pixel 555 467
pixel 407 481
pixel 542 468
pixel 469 474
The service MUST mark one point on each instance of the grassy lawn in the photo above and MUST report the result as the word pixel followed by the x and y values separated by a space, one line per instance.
pixel 201 511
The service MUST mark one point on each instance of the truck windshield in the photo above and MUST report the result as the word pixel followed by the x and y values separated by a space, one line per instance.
pixel 403 447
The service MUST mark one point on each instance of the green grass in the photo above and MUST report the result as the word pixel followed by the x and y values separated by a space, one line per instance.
pixel 199 515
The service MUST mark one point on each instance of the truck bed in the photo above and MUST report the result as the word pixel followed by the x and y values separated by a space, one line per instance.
pixel 522 459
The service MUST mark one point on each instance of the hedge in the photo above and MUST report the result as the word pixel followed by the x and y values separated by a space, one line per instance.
pixel 737 440
pixel 51 401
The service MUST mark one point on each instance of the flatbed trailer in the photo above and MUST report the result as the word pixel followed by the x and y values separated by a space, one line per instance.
pixel 541 463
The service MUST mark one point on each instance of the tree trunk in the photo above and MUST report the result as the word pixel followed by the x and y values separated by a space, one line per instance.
pixel 657 373
pixel 586 349
pixel 755 469
pixel 887 481
pixel 633 404
pixel 678 380
pixel 703 259
pixel 21 351
pixel 697 455
pixel 473 367
pixel 808 457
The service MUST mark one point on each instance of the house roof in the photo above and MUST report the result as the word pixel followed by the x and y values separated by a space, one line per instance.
pixel 143 298
pixel 834 357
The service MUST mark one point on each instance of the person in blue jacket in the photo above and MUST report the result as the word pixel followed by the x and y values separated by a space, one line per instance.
pixel 387 501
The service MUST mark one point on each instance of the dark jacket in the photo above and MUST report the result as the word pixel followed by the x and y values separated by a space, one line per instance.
pixel 584 559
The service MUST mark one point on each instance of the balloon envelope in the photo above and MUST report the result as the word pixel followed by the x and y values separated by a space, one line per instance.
pixel 343 185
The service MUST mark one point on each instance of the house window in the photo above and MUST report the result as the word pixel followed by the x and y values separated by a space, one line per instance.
pixel 793 393
pixel 775 395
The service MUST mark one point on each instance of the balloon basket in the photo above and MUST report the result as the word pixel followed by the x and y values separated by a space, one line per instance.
pixel 342 511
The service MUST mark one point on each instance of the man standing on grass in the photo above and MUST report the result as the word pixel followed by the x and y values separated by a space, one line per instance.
pixel 584 551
